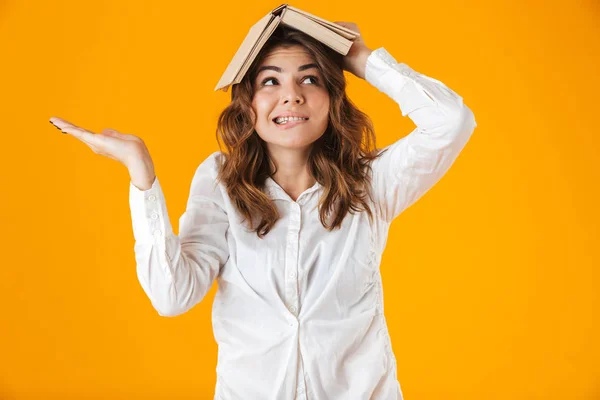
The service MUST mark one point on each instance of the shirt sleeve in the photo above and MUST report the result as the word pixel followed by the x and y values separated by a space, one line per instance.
pixel 409 167
pixel 176 272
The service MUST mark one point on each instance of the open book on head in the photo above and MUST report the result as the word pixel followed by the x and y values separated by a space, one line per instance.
pixel 337 37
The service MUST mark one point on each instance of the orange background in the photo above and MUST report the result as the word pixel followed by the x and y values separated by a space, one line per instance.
pixel 490 280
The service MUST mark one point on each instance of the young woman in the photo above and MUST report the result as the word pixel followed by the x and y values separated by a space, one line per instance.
pixel 292 220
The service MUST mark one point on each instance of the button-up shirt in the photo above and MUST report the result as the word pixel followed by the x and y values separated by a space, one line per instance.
pixel 299 314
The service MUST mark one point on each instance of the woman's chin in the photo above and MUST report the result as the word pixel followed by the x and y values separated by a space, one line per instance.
pixel 291 143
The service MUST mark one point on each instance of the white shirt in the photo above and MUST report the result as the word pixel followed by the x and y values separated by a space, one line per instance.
pixel 299 314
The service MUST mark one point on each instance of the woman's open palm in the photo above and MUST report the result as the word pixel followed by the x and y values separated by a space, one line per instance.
pixel 110 143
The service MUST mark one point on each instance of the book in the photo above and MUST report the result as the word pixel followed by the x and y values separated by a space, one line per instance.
pixel 333 35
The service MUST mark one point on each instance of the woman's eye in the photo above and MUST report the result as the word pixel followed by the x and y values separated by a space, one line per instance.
pixel 264 82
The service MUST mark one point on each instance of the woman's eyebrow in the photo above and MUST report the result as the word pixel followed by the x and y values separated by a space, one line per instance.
pixel 277 69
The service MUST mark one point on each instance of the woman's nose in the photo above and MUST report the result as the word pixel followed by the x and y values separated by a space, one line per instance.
pixel 292 93
pixel 297 98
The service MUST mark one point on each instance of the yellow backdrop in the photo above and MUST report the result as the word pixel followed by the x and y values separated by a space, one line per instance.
pixel 490 280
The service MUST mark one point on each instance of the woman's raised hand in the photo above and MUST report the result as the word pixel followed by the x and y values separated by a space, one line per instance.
pixel 356 59
pixel 129 150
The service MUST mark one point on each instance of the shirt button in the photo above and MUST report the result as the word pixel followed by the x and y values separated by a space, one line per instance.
pixel 300 390
pixel 154 215
pixel 292 274
pixel 152 197
pixel 157 232
pixel 293 308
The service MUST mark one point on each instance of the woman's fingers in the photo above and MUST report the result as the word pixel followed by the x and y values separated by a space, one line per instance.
pixel 96 142
pixel 109 142
pixel 84 135
pixel 110 132
pixel 116 134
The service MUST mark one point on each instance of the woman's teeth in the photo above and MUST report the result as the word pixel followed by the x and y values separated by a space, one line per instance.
pixel 283 121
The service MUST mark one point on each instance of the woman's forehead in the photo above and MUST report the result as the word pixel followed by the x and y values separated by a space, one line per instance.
pixel 293 54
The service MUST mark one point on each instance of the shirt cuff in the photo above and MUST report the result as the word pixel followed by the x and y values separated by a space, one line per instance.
pixel 399 81
pixel 149 217
pixel 432 106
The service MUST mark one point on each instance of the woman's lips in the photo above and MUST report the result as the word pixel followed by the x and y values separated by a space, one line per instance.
pixel 290 124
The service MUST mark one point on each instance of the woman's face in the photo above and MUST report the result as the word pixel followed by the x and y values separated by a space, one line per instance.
pixel 287 83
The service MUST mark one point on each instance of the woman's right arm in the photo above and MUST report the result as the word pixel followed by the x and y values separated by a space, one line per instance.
pixel 176 272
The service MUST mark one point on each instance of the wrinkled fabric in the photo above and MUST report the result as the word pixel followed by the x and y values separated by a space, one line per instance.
pixel 299 314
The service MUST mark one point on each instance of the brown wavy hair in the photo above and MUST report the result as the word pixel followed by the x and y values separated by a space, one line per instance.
pixel 339 160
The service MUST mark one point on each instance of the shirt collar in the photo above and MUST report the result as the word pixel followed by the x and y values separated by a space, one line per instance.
pixel 276 192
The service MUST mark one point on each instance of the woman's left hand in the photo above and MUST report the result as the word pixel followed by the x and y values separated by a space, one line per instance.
pixel 356 59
